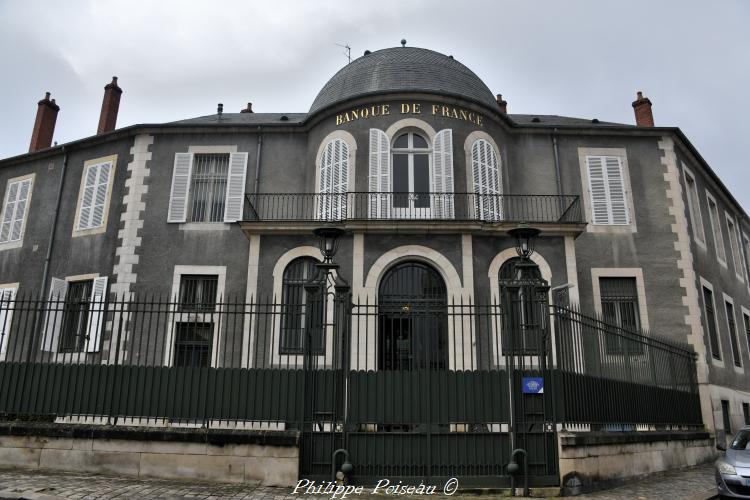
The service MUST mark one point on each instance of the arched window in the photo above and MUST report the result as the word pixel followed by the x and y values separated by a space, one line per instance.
pixel 524 298
pixel 488 184
pixel 300 311
pixel 334 181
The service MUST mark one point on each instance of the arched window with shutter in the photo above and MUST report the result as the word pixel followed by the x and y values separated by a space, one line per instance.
pixel 333 181
pixel 487 178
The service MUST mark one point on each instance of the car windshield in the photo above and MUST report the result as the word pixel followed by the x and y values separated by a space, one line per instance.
pixel 741 440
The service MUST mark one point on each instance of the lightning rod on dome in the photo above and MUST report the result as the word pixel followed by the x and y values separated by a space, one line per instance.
pixel 403 42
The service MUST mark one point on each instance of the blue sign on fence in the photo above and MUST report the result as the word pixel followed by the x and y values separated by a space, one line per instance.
pixel 533 385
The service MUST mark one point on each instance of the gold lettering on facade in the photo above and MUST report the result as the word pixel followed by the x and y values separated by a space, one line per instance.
pixel 413 108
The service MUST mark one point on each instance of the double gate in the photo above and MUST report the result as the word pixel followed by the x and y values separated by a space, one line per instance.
pixel 418 389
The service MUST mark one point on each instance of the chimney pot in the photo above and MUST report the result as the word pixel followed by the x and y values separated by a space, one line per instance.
pixel 503 104
pixel 248 109
pixel 44 125
pixel 110 107
pixel 644 117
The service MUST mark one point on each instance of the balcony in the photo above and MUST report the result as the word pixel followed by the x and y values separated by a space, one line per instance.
pixel 291 213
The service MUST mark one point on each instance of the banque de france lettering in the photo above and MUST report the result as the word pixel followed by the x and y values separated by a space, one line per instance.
pixel 409 109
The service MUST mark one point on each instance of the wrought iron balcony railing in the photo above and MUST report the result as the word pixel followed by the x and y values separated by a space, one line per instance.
pixel 332 207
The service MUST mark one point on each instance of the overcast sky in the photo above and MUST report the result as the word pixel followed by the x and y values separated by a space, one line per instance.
pixel 177 59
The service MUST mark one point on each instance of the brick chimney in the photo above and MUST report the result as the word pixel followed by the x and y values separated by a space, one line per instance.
pixel 502 103
pixel 643 115
pixel 110 107
pixel 44 126
pixel 248 109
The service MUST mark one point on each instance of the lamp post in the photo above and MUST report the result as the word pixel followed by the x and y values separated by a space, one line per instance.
pixel 525 238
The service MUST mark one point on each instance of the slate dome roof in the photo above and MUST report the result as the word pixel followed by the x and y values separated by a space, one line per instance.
pixel 409 69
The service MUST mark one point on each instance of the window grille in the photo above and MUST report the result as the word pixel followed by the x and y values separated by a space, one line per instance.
pixel 300 311
pixel 208 185
pixel 198 292
pixel 193 344
pixel 619 297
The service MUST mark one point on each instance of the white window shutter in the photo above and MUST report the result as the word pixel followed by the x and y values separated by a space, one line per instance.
pixel 96 313
pixel 487 181
pixel 21 206
pixel 442 176
pixel 380 174
pixel 616 187
pixel 235 187
pixel 7 298
pixel 334 181
pixel 178 197
pixel 53 319
pixel 89 194
pixel 598 190
pixel 100 194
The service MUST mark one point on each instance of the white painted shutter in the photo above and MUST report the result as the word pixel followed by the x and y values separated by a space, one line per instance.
pixel 96 313
pixel 598 190
pixel 334 181
pixel 324 183
pixel 100 194
pixel 380 175
pixel 53 319
pixel 235 187
pixel 178 197
pixel 487 181
pixel 94 199
pixel 7 297
pixel 616 187
pixel 16 201
pixel 442 176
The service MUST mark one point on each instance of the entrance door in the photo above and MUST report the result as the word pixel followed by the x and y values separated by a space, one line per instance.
pixel 411 177
pixel 412 319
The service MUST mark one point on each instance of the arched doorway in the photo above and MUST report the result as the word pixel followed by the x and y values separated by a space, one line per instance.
pixel 412 318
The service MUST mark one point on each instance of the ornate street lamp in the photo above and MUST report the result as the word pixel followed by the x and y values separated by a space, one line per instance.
pixel 328 242
pixel 525 239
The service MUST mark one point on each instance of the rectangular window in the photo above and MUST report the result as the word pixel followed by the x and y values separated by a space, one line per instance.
pixel 193 344
pixel 198 292
pixel 733 333
pixel 746 324
pixel 620 307
pixel 94 198
pixel 208 187
pixel 694 207
pixel 7 307
pixel 708 306
pixel 607 191
pixel 726 417
pixel 75 316
pixel 746 256
pixel 713 212
pixel 735 246
pixel 746 413
pixel 15 209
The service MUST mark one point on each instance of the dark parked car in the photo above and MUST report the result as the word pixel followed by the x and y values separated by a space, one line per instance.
pixel 733 468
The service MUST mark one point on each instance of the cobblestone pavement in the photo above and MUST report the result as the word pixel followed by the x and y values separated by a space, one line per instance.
pixel 690 484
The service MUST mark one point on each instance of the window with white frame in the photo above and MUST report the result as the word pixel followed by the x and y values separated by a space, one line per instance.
pixel 487 177
pixel 619 299
pixel 94 196
pixel 7 306
pixel 713 212
pixel 746 328
pixel 746 255
pixel 732 328
pixel 694 206
pixel 15 210
pixel 300 311
pixel 607 191
pixel 207 187
pixel 734 244
pixel 194 333
pixel 74 317
pixel 333 181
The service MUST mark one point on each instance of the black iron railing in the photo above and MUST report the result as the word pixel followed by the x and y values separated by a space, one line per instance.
pixel 151 358
pixel 564 209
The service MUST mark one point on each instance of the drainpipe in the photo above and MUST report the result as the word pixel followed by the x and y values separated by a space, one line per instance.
pixel 557 161
pixel 257 161
pixel 54 222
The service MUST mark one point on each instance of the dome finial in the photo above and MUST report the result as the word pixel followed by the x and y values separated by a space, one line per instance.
pixel 403 42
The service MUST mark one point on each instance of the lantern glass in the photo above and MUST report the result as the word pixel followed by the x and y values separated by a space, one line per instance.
pixel 525 238
pixel 328 241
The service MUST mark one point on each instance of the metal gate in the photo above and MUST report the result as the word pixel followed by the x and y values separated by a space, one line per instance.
pixel 416 388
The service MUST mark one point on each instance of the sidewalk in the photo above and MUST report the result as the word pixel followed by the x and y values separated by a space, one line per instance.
pixel 690 484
